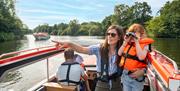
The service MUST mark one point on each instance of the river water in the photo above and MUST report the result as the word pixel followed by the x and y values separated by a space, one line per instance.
pixel 26 77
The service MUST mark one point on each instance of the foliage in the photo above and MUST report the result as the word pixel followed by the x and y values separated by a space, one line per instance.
pixel 72 28
pixel 6 36
pixel 167 24
pixel 125 15
pixel 9 22
pixel 164 25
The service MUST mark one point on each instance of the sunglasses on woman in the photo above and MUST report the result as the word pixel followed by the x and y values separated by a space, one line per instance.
pixel 112 34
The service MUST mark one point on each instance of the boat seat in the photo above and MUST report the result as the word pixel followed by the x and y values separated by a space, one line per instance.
pixel 91 74
pixel 52 86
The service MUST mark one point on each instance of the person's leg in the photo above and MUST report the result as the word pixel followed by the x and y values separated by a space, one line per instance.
pixel 137 86
pixel 82 86
pixel 126 81
pixel 127 87
pixel 102 86
pixel 116 85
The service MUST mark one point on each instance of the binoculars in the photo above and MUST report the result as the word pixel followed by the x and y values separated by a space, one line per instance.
pixel 128 34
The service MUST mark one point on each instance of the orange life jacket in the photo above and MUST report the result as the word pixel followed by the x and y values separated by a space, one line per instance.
pixel 132 62
pixel 85 76
pixel 82 65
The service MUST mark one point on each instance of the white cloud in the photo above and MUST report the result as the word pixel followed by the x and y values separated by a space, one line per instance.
pixel 42 11
pixel 47 12
pixel 82 7
pixel 33 21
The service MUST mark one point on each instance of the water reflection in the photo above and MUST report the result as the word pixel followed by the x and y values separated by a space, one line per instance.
pixel 10 46
pixel 169 47
pixel 11 78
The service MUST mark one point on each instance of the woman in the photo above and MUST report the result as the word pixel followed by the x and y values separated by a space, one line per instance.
pixel 133 51
pixel 107 58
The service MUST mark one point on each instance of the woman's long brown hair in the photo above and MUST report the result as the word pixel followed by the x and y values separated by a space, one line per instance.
pixel 104 48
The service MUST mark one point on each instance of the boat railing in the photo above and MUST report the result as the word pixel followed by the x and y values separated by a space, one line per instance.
pixel 24 51
pixel 176 70
pixel 14 60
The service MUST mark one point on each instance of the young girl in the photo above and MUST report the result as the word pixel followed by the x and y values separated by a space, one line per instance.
pixel 133 51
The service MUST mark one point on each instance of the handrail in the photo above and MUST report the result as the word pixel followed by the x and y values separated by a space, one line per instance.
pixel 19 61
pixel 16 52
pixel 170 60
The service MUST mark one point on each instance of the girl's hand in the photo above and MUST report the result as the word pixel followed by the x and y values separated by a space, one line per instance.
pixel 127 39
pixel 136 40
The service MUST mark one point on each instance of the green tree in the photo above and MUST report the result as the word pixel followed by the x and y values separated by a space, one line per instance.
pixel 42 28
pixel 9 22
pixel 138 13
pixel 167 24
pixel 122 15
pixel 141 12
pixel 84 29
pixel 106 23
pixel 73 28
pixel 61 28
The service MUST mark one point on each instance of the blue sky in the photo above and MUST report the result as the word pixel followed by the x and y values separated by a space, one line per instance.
pixel 36 12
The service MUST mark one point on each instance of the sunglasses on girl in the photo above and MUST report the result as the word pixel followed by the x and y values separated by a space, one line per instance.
pixel 112 34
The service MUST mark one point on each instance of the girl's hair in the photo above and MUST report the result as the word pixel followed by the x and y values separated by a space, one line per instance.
pixel 104 48
pixel 138 28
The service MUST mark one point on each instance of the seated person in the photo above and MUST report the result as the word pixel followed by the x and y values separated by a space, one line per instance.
pixel 70 72
pixel 80 60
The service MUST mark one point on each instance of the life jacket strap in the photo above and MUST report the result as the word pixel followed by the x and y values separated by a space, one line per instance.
pixel 69 81
pixel 133 57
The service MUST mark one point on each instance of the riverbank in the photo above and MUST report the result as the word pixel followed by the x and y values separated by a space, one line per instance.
pixel 9 36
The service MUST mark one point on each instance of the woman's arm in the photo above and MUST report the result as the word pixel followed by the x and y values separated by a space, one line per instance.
pixel 75 47
pixel 78 48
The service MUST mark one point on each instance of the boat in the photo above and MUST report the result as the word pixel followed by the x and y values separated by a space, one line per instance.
pixel 162 74
pixel 41 36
